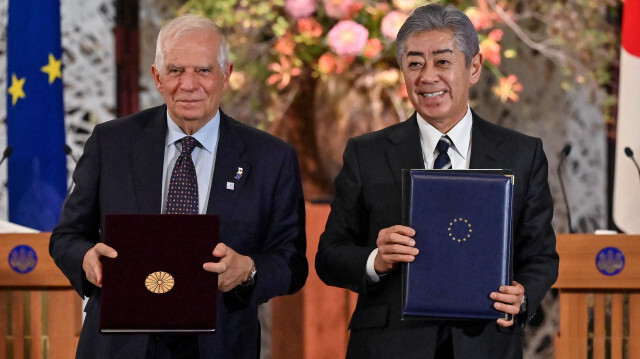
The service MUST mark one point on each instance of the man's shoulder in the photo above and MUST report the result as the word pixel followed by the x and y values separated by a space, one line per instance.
pixel 496 131
pixel 390 133
pixel 252 137
pixel 136 120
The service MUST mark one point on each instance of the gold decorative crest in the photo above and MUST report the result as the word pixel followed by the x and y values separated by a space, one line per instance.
pixel 159 282
pixel 460 230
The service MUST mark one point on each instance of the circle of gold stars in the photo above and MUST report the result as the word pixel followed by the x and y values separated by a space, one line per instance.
pixel 159 282
pixel 464 227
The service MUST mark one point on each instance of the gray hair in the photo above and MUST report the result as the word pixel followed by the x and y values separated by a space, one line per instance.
pixel 438 17
pixel 188 23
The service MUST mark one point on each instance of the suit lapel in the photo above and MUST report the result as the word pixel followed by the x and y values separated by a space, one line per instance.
pixel 485 145
pixel 147 155
pixel 405 151
pixel 231 169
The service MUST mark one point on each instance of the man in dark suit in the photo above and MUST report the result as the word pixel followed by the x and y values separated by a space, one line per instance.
pixel 364 244
pixel 247 177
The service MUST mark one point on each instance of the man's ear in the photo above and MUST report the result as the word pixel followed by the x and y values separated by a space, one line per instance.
pixel 156 77
pixel 476 68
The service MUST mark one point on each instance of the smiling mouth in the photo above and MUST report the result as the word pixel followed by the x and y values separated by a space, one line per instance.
pixel 431 94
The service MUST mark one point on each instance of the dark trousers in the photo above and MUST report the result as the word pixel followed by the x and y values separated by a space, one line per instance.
pixel 444 348
pixel 173 346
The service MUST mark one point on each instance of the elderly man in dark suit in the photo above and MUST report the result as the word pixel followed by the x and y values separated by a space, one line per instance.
pixel 364 244
pixel 247 177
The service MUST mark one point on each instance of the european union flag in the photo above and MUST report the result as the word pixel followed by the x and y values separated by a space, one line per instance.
pixel 37 174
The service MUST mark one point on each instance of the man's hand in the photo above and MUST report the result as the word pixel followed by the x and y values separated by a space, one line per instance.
pixel 508 300
pixel 232 268
pixel 92 265
pixel 395 246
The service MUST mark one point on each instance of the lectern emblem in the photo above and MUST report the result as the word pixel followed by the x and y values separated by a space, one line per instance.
pixel 159 282
pixel 23 259
pixel 610 261
pixel 459 230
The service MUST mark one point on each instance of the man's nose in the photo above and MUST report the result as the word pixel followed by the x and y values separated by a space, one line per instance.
pixel 428 74
pixel 188 80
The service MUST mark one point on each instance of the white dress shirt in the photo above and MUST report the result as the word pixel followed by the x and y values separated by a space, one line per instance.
pixel 459 153
pixel 203 156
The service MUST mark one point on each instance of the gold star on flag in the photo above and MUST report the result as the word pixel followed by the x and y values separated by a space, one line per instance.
pixel 53 68
pixel 16 90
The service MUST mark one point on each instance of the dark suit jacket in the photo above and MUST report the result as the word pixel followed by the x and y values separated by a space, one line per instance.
pixel 368 199
pixel 263 217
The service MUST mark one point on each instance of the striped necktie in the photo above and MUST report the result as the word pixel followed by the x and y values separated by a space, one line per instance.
pixel 443 161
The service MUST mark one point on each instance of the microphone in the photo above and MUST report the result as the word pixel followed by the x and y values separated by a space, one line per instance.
pixel 7 152
pixel 69 152
pixel 627 151
pixel 563 155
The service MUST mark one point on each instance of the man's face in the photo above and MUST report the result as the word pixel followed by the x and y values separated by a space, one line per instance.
pixel 191 80
pixel 437 78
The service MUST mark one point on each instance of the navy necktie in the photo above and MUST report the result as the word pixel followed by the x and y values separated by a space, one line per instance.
pixel 443 161
pixel 183 187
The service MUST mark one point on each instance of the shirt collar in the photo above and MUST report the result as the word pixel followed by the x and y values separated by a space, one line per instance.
pixel 207 136
pixel 460 134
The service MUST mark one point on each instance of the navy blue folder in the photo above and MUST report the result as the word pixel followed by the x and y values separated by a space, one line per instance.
pixel 463 224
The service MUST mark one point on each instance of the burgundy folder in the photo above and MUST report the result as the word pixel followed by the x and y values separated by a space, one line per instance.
pixel 157 283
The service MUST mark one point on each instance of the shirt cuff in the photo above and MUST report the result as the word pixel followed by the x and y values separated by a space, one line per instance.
pixel 371 271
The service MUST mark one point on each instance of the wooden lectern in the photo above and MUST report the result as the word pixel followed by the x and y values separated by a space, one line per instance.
pixel 40 313
pixel 599 294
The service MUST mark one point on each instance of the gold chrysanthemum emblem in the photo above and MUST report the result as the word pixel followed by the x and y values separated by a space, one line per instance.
pixel 159 282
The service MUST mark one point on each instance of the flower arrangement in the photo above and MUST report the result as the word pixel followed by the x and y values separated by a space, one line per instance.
pixel 281 41
pixel 316 72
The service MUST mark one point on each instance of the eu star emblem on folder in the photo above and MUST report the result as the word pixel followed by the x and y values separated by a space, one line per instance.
pixel 462 220
pixel 157 283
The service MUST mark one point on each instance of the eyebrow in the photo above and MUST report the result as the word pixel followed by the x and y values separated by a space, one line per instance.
pixel 436 52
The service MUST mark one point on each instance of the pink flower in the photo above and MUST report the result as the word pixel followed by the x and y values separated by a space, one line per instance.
pixel 300 8
pixel 337 9
pixel 391 24
pixel 347 38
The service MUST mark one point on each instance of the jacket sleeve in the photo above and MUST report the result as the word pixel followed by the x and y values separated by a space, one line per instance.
pixel 343 250
pixel 535 257
pixel 281 263
pixel 79 226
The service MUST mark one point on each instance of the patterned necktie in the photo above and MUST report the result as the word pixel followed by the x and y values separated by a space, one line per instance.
pixel 183 187
pixel 443 161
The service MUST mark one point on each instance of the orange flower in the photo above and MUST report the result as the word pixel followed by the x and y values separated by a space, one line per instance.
pixel 283 72
pixel 326 63
pixel 285 45
pixel 496 35
pixel 372 48
pixel 481 20
pixel 508 89
pixel 491 51
pixel 331 63
pixel 309 26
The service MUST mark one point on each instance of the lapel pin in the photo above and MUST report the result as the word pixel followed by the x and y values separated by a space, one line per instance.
pixel 239 173
pixel 230 185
